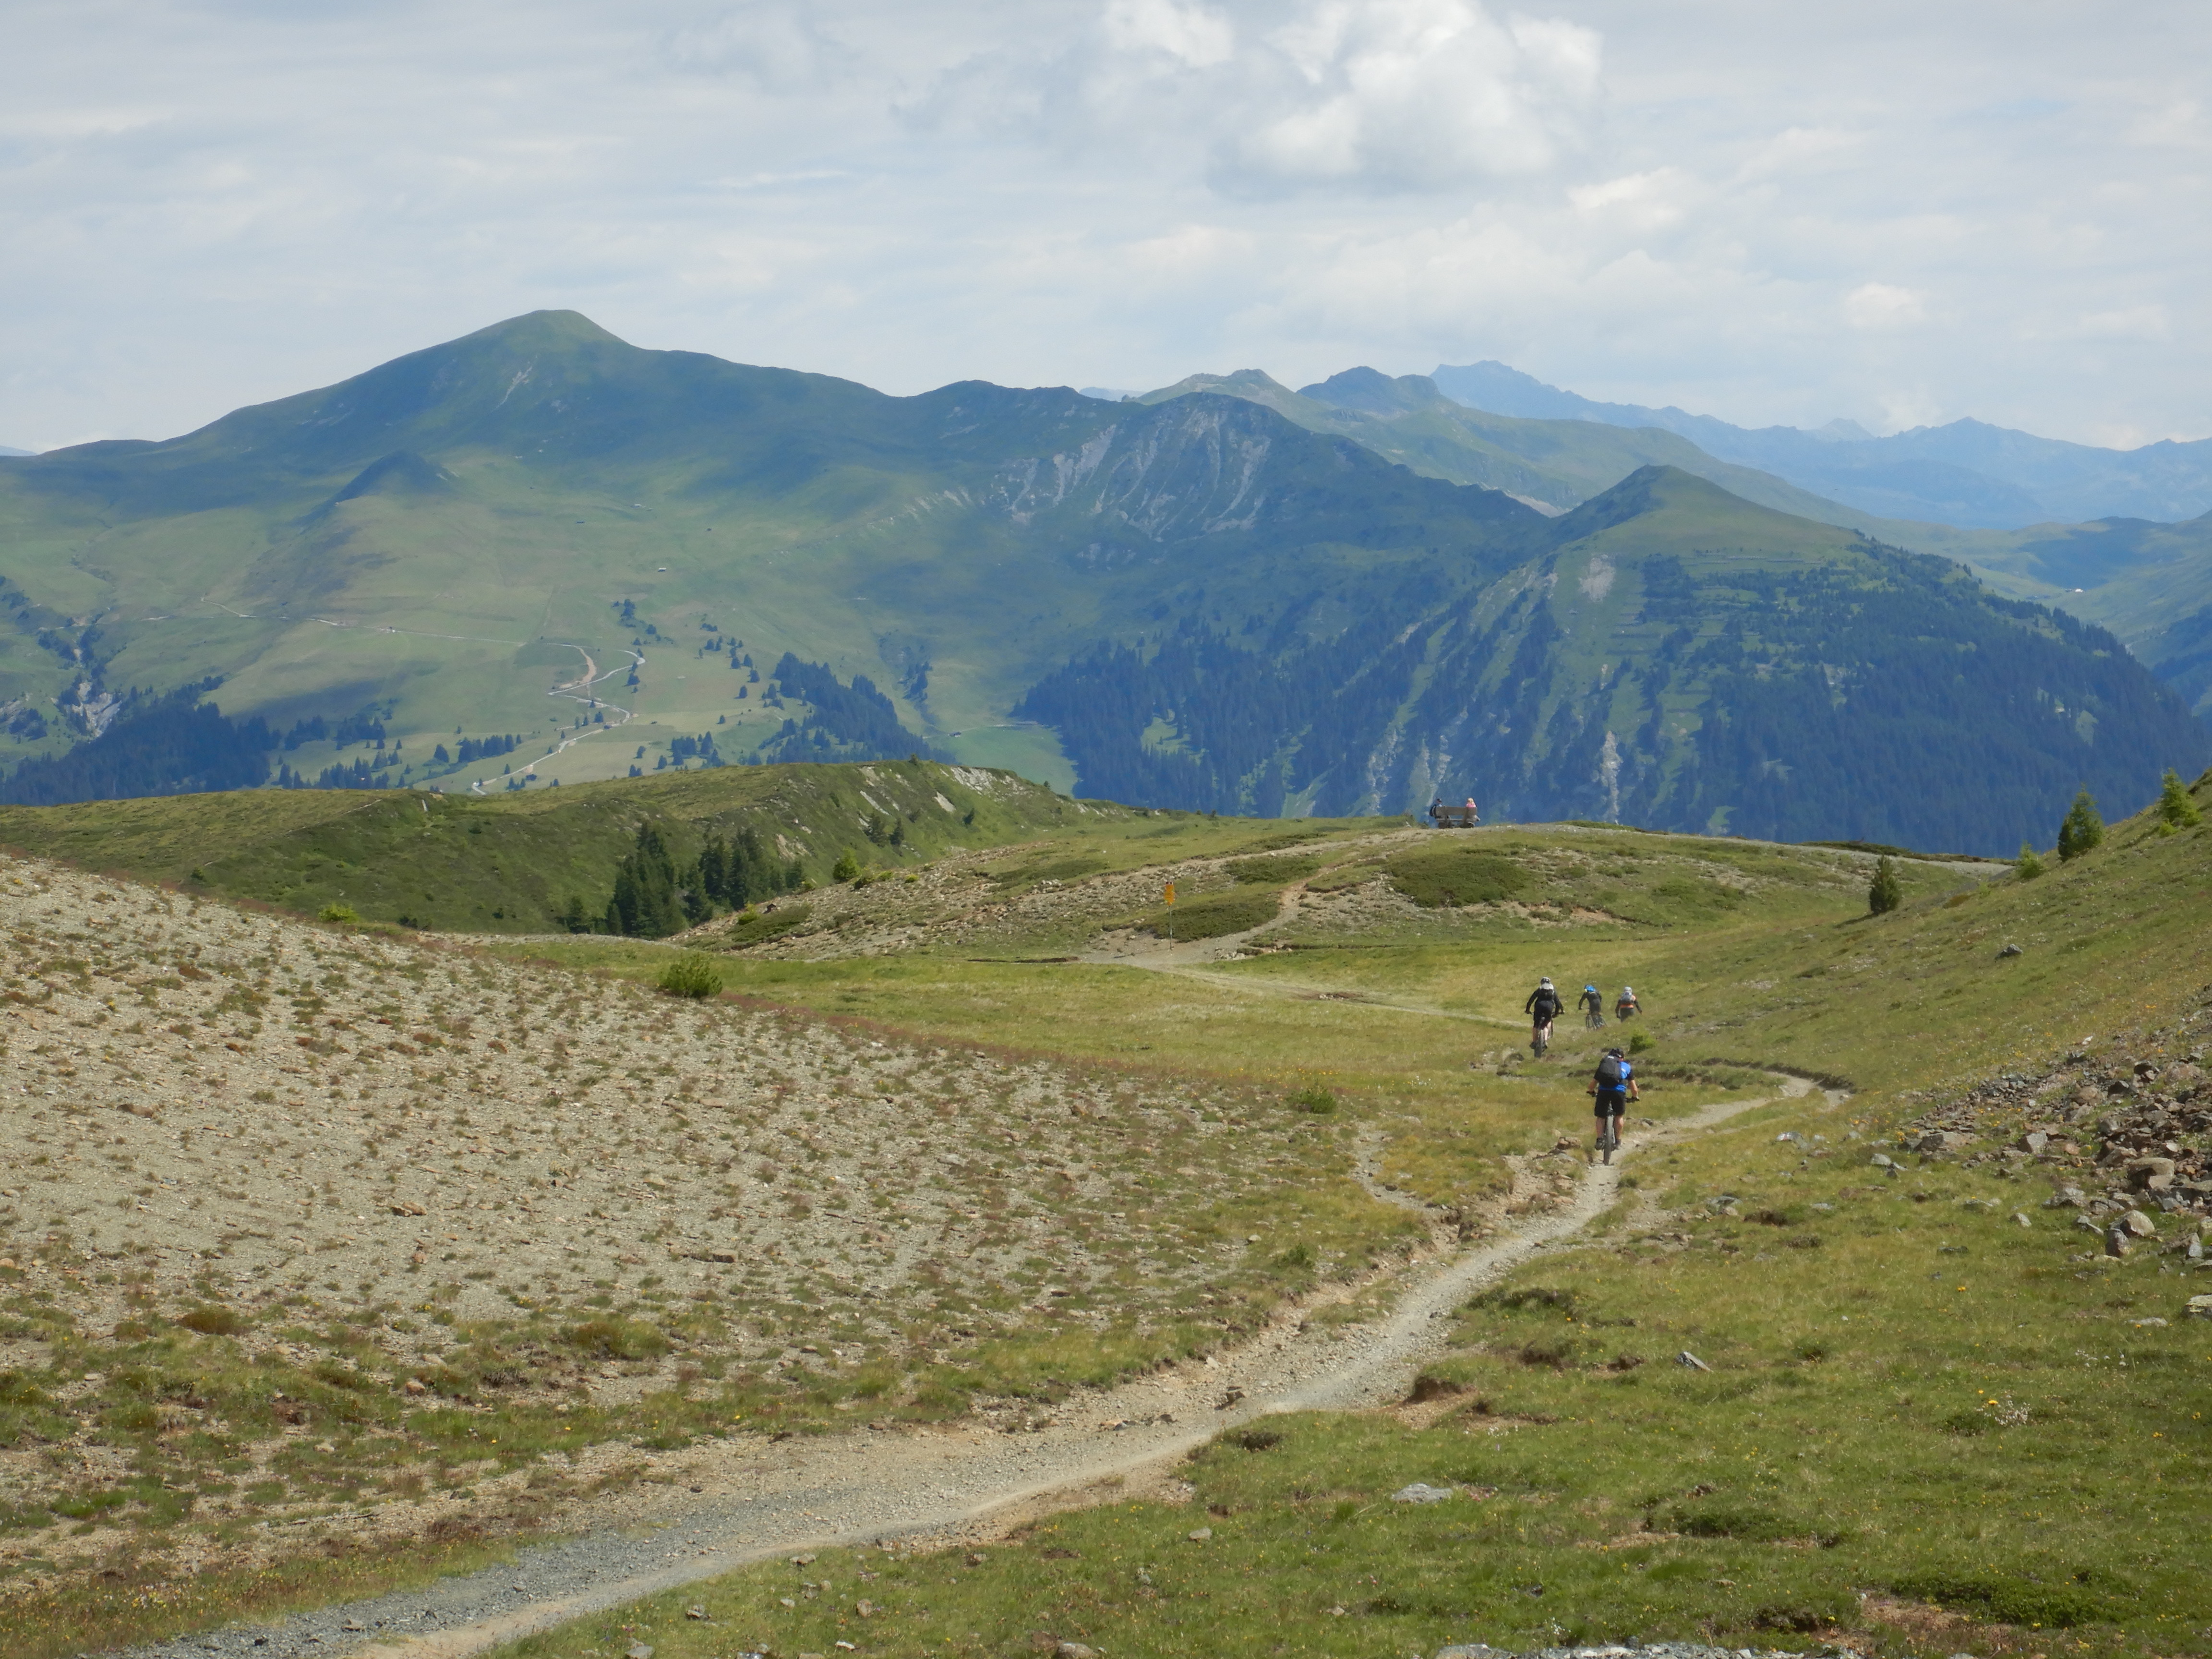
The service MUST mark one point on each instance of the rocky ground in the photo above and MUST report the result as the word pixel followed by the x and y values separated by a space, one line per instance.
pixel 399 1190
pixel 2121 1130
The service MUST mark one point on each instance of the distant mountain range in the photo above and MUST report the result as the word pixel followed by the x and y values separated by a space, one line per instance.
pixel 1225 595
pixel 8 450
pixel 1967 473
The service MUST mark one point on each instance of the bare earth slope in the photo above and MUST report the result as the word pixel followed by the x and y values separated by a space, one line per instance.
pixel 300 1222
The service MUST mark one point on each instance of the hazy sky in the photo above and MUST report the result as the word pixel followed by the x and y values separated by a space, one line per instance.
pixel 1903 213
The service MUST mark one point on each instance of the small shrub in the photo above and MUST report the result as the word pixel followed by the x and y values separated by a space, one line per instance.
pixel 212 1319
pixel 2029 864
pixel 2015 1601
pixel 846 869
pixel 1447 878
pixel 1641 1043
pixel 2174 804
pixel 691 974
pixel 1316 1099
pixel 337 913
pixel 1884 893
pixel 1216 913
pixel 2082 831
pixel 616 1339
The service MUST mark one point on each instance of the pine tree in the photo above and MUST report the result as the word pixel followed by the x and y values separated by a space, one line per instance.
pixel 1883 892
pixel 644 905
pixel 2029 864
pixel 848 868
pixel 2174 804
pixel 2082 830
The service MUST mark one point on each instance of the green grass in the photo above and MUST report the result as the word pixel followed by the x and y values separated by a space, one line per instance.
pixel 1911 1396
pixel 1839 1332
pixel 509 863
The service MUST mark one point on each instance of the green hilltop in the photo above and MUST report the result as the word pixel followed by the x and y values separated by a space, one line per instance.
pixel 511 863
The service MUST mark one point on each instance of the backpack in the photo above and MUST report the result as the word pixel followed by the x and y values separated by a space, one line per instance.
pixel 1548 1003
pixel 1609 1073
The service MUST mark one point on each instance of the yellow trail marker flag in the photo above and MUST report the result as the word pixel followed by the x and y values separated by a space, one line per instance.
pixel 1170 894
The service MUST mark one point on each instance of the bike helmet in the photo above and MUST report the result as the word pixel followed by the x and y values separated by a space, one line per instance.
pixel 1543 985
pixel 1589 987
pixel 1627 991
pixel 1615 1054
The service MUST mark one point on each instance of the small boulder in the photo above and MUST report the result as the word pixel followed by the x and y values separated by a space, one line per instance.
pixel 2150 1175
pixel 1074 1650
pixel 1690 1362
pixel 2032 1142
pixel 1200 1534
pixel 1421 1492
pixel 2013 950
pixel 2199 1307
pixel 638 1651
pixel 2139 1224
pixel 1880 1161
pixel 2020 1218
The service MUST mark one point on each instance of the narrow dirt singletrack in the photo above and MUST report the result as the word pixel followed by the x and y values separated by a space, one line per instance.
pixel 866 1487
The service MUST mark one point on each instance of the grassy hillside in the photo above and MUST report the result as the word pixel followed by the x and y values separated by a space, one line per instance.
pixel 1553 465
pixel 1678 657
pixel 540 533
pixel 510 863
pixel 1205 1136
pixel 1913 1379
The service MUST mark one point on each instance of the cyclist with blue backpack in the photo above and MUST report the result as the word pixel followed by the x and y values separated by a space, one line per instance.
pixel 1614 1086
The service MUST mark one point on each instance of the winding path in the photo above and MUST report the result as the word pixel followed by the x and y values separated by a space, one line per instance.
pixel 863 1488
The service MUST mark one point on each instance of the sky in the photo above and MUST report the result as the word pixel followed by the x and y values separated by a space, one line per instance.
pixel 1902 214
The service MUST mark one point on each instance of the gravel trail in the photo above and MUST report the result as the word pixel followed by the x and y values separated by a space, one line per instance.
pixel 868 1488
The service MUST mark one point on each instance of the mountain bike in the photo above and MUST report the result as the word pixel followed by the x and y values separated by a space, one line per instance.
pixel 1593 1019
pixel 1608 1136
pixel 1540 1039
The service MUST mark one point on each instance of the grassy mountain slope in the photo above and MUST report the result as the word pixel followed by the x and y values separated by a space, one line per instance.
pixel 542 533
pixel 1553 465
pixel 1903 1437
pixel 630 1237
pixel 1677 658
pixel 510 863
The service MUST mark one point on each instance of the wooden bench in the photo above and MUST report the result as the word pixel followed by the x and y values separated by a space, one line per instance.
pixel 1454 818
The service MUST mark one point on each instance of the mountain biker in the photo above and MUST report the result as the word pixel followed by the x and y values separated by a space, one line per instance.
pixel 1613 1086
pixel 1625 1003
pixel 1592 1003
pixel 1542 1007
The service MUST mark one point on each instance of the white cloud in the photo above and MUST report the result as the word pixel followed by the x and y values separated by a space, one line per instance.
pixel 2129 323
pixel 1367 96
pixel 1883 306
pixel 1761 213
pixel 781 49
pixel 1412 95
pixel 1640 202
pixel 1195 36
